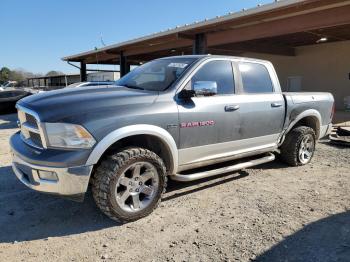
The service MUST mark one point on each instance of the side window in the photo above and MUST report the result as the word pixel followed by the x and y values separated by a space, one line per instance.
pixel 219 71
pixel 255 78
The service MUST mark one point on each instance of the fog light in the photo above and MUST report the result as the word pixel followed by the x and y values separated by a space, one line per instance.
pixel 47 175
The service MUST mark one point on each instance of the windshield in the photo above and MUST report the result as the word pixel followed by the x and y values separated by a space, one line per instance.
pixel 5 84
pixel 156 75
pixel 8 84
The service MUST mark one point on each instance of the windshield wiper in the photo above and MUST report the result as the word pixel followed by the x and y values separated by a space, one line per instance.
pixel 134 87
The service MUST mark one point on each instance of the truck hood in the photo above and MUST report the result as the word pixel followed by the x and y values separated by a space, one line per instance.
pixel 58 105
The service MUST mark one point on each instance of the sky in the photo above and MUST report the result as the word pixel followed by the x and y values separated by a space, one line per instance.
pixel 36 34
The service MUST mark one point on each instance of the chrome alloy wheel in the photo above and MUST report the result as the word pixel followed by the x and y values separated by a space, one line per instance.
pixel 306 149
pixel 137 186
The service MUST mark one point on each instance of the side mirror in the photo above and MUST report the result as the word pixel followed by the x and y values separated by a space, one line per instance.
pixel 205 88
pixel 186 94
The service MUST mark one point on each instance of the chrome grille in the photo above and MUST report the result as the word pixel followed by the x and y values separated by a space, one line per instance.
pixel 31 120
pixel 30 128
pixel 36 139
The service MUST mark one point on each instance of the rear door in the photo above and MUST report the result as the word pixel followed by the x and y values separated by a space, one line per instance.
pixel 262 106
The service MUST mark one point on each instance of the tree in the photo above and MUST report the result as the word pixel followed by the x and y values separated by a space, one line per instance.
pixel 4 74
pixel 17 75
pixel 54 73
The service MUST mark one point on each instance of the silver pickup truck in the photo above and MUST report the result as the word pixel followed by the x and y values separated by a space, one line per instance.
pixel 171 118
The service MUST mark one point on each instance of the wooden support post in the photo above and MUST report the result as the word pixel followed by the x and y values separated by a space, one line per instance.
pixel 200 44
pixel 124 66
pixel 83 75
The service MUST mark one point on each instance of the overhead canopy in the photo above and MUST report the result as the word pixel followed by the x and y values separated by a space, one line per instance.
pixel 275 28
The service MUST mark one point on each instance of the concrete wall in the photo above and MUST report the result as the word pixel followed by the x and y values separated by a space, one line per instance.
pixel 323 67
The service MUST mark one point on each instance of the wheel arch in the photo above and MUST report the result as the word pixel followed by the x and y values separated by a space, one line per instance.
pixel 145 135
pixel 311 118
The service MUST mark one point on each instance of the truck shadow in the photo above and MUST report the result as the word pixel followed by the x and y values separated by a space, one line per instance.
pixel 9 110
pixel 8 121
pixel 29 215
pixel 341 146
pixel 178 189
pixel 276 164
pixel 327 239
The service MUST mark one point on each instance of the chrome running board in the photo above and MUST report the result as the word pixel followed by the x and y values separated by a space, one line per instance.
pixel 226 169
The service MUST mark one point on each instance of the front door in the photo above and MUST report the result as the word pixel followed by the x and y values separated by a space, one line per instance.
pixel 207 123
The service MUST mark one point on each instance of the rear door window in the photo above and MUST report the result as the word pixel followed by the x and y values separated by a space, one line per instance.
pixel 255 78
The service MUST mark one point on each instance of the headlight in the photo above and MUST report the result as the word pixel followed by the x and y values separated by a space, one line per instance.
pixel 68 136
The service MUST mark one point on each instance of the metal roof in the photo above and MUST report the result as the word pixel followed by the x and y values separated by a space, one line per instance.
pixel 207 23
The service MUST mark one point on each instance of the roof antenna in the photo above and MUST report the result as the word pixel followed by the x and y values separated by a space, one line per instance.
pixel 102 42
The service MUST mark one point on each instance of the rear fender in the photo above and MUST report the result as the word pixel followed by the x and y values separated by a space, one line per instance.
pixel 307 113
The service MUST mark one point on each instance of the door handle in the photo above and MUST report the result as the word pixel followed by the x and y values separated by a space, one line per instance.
pixel 231 108
pixel 276 104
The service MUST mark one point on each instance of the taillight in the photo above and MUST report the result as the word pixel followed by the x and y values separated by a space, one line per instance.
pixel 333 111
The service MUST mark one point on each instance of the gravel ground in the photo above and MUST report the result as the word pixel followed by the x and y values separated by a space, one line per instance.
pixel 269 213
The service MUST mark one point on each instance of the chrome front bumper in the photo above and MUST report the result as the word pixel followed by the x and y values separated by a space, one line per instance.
pixel 70 182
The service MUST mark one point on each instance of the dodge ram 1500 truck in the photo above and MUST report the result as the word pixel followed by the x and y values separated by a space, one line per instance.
pixel 174 118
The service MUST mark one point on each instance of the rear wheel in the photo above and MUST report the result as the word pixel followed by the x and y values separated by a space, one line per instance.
pixel 128 185
pixel 299 146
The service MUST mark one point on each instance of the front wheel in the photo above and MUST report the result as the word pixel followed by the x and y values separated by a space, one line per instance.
pixel 299 146
pixel 128 185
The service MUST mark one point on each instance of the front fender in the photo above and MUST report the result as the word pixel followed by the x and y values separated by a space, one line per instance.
pixel 127 131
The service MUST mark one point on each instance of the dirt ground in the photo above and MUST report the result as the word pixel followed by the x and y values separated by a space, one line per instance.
pixel 269 213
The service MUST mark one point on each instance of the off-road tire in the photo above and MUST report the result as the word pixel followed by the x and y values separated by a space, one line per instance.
pixel 107 173
pixel 291 145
